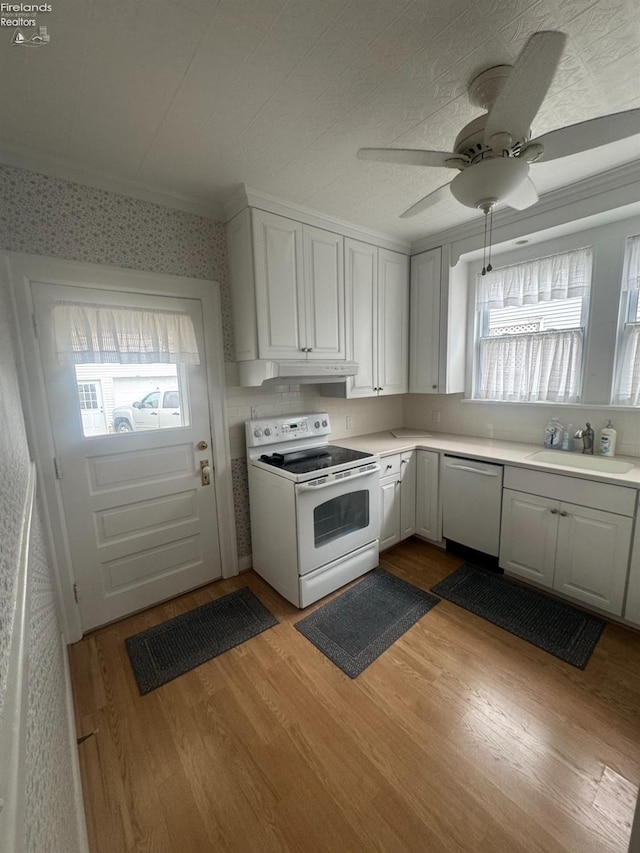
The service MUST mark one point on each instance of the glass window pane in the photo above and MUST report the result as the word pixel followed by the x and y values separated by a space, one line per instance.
pixel 121 398
pixel 340 516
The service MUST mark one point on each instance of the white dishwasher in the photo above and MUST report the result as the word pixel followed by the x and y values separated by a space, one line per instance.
pixel 472 503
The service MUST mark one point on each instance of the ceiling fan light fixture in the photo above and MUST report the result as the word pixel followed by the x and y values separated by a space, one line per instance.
pixel 489 181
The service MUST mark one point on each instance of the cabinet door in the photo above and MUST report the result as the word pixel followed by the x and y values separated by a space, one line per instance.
pixel 361 285
pixel 324 293
pixel 389 512
pixel 632 606
pixel 528 536
pixel 592 556
pixel 393 322
pixel 408 494
pixel 279 286
pixel 424 341
pixel 427 505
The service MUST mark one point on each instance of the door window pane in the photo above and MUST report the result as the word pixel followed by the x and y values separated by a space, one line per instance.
pixel 122 398
pixel 340 516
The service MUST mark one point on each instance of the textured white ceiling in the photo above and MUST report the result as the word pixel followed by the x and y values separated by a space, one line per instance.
pixel 195 96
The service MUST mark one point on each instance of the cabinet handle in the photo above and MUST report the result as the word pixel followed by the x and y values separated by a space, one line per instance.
pixel 389 466
pixel 554 512
pixel 564 513
pixel 403 461
pixel 434 386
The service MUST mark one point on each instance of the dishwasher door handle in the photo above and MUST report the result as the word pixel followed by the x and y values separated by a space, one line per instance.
pixel 473 470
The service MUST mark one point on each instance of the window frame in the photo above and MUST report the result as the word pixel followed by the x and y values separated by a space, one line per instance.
pixel 478 321
pixel 629 305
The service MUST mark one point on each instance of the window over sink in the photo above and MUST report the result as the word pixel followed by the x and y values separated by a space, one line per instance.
pixel 530 325
pixel 627 381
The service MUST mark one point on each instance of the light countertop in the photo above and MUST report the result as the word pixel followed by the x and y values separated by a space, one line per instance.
pixel 490 450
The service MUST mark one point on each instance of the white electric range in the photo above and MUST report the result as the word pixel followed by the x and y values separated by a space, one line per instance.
pixel 314 507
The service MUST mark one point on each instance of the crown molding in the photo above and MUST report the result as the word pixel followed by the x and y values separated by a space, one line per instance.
pixel 606 191
pixel 245 196
pixel 58 167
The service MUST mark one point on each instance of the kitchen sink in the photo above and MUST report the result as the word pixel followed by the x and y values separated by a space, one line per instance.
pixel 578 460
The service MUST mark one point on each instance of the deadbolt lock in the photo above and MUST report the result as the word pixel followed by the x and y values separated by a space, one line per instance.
pixel 205 472
pixel 202 445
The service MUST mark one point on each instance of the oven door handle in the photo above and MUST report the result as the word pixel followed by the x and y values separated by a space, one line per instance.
pixel 307 487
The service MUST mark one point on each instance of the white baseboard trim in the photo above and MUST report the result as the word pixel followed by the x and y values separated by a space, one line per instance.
pixel 245 563
pixel 83 840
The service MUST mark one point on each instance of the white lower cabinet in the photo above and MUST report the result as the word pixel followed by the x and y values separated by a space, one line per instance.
pixel 580 552
pixel 427 500
pixel 397 498
pixel 632 606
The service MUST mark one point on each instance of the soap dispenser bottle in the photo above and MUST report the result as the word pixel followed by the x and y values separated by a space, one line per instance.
pixel 553 434
pixel 608 440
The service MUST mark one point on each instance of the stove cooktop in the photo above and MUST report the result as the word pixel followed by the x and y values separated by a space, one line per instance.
pixel 314 458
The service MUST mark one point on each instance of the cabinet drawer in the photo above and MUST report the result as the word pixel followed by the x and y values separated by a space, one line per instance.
pixel 390 465
pixel 602 496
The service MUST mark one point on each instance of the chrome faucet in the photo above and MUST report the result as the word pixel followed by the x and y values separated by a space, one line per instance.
pixel 586 434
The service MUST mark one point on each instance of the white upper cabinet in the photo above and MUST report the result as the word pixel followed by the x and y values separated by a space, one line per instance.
pixel 287 288
pixel 280 296
pixel 323 288
pixel 393 323
pixel 438 324
pixel 361 273
pixel 377 309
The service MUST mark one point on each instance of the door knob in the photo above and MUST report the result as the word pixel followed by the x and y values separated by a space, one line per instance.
pixel 205 472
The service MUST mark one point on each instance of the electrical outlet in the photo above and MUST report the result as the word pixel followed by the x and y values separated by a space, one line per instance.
pixel 435 417
pixel 254 413
pixel 349 422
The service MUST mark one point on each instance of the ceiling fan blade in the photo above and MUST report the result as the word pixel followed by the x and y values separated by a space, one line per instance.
pixel 428 201
pixel 524 90
pixel 588 134
pixel 523 197
pixel 406 156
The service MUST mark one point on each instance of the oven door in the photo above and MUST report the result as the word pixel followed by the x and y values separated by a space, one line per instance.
pixel 337 516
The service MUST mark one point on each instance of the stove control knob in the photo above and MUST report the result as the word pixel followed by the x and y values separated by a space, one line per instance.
pixel 267 431
pixel 257 432
pixel 317 425
pixel 324 423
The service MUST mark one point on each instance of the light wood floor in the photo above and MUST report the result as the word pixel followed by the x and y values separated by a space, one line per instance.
pixel 461 737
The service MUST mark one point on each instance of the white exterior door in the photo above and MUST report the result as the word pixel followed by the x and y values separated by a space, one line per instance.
pixel 141 523
pixel 94 421
pixel 393 323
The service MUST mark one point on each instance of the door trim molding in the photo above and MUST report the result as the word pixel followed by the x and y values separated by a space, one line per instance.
pixel 21 270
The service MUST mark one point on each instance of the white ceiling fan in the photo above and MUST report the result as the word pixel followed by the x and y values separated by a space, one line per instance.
pixel 493 153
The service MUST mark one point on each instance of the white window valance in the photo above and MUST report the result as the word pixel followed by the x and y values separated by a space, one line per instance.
pixel 540 280
pixel 105 334
pixel 631 272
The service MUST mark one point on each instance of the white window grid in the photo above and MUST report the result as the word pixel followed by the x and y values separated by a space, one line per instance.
pixel 88 396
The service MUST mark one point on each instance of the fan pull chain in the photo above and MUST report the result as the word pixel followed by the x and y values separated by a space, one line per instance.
pixel 489 267
pixel 484 245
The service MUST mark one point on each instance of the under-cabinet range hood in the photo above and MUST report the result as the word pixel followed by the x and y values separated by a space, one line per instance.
pixel 266 372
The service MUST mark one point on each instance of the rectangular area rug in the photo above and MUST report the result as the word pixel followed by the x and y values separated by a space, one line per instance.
pixel 358 626
pixel 554 626
pixel 164 652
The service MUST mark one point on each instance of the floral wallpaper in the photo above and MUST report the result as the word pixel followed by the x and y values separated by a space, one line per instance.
pixel 42 215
